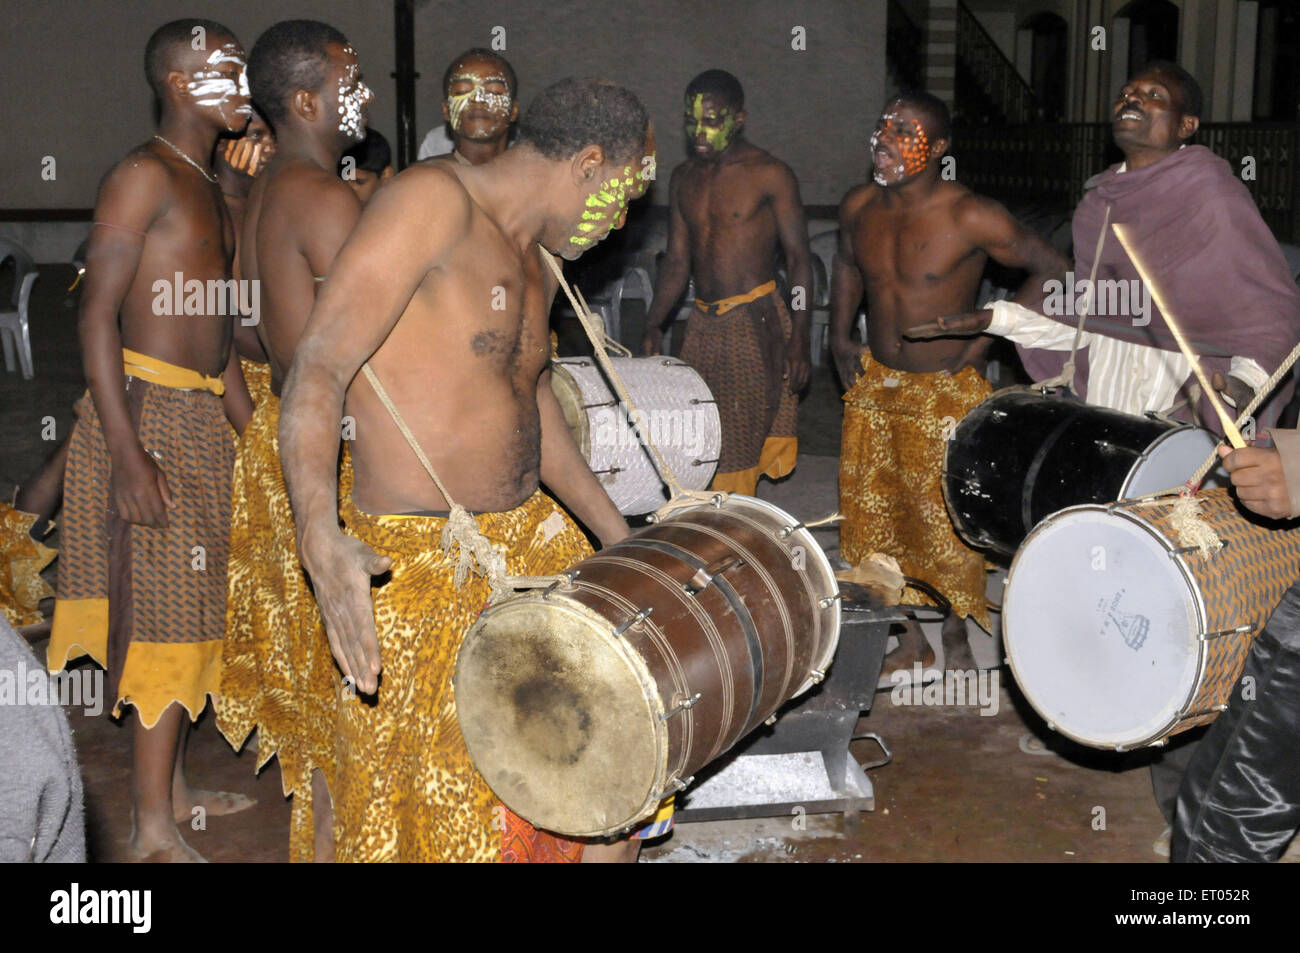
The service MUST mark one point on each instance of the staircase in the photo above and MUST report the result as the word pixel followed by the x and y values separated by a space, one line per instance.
pixel 989 89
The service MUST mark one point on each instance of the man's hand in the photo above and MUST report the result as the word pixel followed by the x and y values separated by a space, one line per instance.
pixel 139 490
pixel 797 364
pixel 848 361
pixel 340 567
pixel 652 342
pixel 1237 391
pixel 951 325
pixel 1257 477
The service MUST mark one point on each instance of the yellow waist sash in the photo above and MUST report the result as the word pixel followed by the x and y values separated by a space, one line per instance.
pixel 160 372
pixel 723 305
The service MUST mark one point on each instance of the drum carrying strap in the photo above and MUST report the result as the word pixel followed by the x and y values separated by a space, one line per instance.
pixel 1066 377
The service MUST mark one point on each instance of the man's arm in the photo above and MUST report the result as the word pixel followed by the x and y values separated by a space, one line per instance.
pixel 792 229
pixel 236 401
pixel 674 271
pixel 132 198
pixel 1267 479
pixel 989 226
pixel 567 474
pixel 407 228
pixel 846 292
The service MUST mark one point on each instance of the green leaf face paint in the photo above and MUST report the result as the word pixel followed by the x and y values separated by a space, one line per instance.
pixel 606 207
pixel 715 124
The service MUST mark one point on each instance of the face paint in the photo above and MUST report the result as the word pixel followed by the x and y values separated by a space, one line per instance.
pixel 607 206
pixel 908 139
pixel 353 96
pixel 717 125
pixel 495 104
pixel 213 85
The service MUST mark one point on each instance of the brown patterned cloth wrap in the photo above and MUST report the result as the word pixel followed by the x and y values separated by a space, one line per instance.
pixel 896 426
pixel 407 790
pixel 277 672
pixel 741 356
pixel 148 604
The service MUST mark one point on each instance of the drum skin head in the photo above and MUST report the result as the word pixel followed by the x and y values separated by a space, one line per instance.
pixel 560 719
pixel 1101 627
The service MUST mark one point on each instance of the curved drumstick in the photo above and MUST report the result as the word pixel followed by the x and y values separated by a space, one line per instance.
pixel 1229 428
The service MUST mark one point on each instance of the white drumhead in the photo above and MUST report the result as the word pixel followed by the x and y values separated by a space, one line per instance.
pixel 1171 460
pixel 1101 627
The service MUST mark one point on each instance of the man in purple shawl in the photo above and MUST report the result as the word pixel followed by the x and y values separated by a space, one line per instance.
pixel 1203 242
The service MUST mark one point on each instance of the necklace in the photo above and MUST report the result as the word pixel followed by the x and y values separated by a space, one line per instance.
pixel 460 158
pixel 175 148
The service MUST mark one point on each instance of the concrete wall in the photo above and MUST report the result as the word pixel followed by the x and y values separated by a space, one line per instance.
pixel 74 85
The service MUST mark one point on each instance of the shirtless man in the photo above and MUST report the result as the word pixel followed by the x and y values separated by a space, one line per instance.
pixel 916 244
pixel 442 290
pixel 732 205
pixel 143 591
pixel 277 666
pixel 479 106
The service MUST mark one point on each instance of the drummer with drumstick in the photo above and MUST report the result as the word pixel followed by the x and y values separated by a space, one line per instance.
pixel 916 244
pixel 1240 795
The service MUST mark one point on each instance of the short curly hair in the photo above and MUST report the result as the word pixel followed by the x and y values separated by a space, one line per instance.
pixel 288 57
pixel 575 113
pixel 160 51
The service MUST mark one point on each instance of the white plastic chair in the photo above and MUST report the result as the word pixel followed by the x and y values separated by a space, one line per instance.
pixel 634 283
pixel 823 245
pixel 14 334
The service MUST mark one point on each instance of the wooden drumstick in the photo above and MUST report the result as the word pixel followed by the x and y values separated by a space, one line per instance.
pixel 1229 427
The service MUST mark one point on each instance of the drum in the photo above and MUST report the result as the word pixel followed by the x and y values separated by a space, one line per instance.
pixel 678 414
pixel 1120 636
pixel 1022 454
pixel 586 704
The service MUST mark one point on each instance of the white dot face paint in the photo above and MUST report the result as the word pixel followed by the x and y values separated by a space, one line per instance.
pixel 215 86
pixel 353 96
pixel 495 104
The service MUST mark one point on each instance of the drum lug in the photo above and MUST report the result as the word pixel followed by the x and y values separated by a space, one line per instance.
pixel 569 577
pixel 703 578
pixel 816 676
pixel 771 720
pixel 635 620
pixel 828 601
pixel 785 532
pixel 1239 630
pixel 677 785
pixel 684 705
pixel 717 500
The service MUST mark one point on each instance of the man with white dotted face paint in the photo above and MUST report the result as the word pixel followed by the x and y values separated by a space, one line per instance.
pixel 479 106
pixel 307 81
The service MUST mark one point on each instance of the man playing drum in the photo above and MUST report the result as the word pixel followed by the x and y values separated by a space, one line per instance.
pixel 916 243
pixel 442 294
pixel 1240 795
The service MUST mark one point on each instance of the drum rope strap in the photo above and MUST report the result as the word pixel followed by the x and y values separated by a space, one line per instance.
pixel 596 332
pixel 476 553
pixel 1066 377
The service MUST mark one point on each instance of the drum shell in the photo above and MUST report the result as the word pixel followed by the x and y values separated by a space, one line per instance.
pixel 1022 455
pixel 678 410
pixel 1236 589
pixel 745 642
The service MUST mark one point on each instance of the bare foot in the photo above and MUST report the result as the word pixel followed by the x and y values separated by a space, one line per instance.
pixel 164 848
pixel 957 656
pixel 213 803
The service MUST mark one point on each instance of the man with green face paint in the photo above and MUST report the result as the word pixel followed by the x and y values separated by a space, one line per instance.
pixel 732 206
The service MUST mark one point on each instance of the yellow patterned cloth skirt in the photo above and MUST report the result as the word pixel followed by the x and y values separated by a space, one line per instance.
pixel 278 673
pixel 896 427
pixel 257 377
pixel 21 561
pixel 148 604
pixel 407 790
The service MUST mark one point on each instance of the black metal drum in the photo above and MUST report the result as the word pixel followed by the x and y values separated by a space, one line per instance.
pixel 1023 454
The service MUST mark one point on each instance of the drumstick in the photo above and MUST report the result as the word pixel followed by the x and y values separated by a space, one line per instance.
pixel 1229 428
